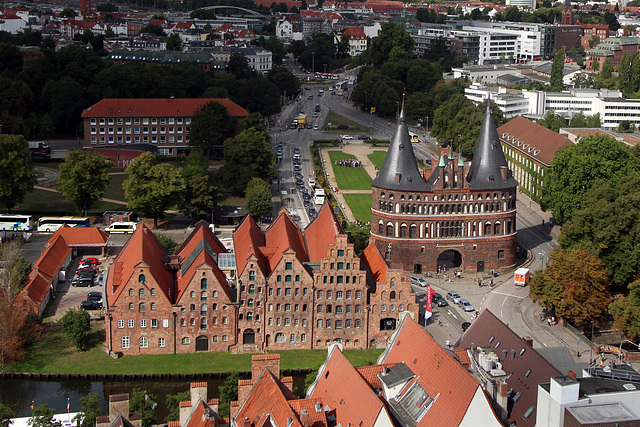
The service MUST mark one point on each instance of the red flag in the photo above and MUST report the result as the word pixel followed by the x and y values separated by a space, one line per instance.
pixel 31 406
pixel 429 305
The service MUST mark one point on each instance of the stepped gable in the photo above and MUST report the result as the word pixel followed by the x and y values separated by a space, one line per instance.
pixel 321 232
pixel 246 240
pixel 201 232
pixel 281 235
pixel 373 259
pixel 142 248
pixel 523 365
pixel 340 387
pixel 489 169
pixel 400 170
pixel 439 374
pixel 265 400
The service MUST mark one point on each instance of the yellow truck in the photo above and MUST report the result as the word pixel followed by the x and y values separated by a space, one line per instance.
pixel 302 121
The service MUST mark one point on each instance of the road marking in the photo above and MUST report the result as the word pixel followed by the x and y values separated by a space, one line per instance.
pixel 509 295
pixel 451 314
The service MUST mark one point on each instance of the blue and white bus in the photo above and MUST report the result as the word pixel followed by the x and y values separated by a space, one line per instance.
pixel 49 224
pixel 16 222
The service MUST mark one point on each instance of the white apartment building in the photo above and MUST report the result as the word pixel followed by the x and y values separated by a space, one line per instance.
pixel 610 104
pixel 259 59
pixel 284 29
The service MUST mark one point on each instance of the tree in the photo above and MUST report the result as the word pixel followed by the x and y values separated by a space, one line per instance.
pixel 284 80
pixel 594 41
pixel 607 69
pixel 277 49
pixel 557 67
pixel 143 403
pixel 573 286
pixel 253 120
pixel 195 164
pixel 152 29
pixel 247 155
pixel 90 410
pixel 172 404
pixel 258 198
pixel 76 324
pixel 107 7
pixel 211 125
pixel 382 47
pixel 553 121
pixel 228 393
pixel 174 42
pixel 84 178
pixel 16 170
pixel 152 187
pixel 199 196
pixel 608 225
pixel 68 13
pixel 578 167
pixel 42 416
pixel 626 311
pixel 168 244
pixel 6 413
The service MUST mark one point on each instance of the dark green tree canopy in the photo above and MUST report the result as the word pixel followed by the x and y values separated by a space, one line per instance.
pixel 16 171
pixel 76 324
pixel 211 125
pixel 143 403
pixel 258 198
pixel 577 168
pixel 84 178
pixel 392 42
pixel 247 155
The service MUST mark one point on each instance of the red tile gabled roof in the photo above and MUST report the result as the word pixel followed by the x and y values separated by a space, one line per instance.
pixel 202 258
pixel 199 416
pixel 142 249
pixel 37 289
pixel 438 373
pixel 321 232
pixel 343 389
pixel 283 234
pixel 354 33
pixel 246 240
pixel 370 374
pixel 305 408
pixel 82 236
pixel 266 399
pixel 158 107
pixel 52 259
pixel 538 142
pixel 520 359
pixel 375 262
pixel 200 232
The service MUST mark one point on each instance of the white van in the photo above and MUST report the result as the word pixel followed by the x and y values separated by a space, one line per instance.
pixel 121 227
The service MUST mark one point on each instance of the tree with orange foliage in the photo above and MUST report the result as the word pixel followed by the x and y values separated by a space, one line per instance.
pixel 573 286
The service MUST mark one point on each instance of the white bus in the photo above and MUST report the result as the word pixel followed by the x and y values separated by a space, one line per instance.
pixel 50 224
pixel 318 196
pixel 16 222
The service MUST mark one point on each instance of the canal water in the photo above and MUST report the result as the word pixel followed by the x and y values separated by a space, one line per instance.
pixel 19 393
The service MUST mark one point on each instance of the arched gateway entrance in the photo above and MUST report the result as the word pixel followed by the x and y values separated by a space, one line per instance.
pixel 450 259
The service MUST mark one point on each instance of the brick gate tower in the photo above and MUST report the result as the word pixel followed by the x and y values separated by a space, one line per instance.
pixel 458 216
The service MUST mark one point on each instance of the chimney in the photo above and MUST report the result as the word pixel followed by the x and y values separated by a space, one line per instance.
pixel 244 389
pixel 198 392
pixel 185 411
pixel 564 389
pixel 528 340
pixel 502 397
pixel 304 417
pixel 261 361
pixel 246 422
pixel 118 404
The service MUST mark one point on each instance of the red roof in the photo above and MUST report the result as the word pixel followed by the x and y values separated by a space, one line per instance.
pixel 343 389
pixel 267 400
pixel 375 262
pixel 321 232
pixel 306 410
pixel 82 236
pixel 246 239
pixel 283 234
pixel 532 139
pixel 199 416
pixel 438 373
pixel 355 33
pixel 158 107
pixel 201 232
pixel 370 374
pixel 37 289
pixel 52 258
pixel 142 249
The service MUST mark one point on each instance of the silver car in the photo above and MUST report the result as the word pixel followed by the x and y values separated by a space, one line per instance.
pixel 418 281
pixel 454 296
pixel 466 305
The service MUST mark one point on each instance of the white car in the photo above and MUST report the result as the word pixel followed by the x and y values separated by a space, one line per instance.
pixel 315 127
pixel 346 137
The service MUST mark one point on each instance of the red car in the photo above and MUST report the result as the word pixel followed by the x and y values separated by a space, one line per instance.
pixel 90 261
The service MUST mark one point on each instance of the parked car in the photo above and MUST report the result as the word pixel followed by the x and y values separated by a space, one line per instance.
pixel 94 295
pixel 87 269
pixel 296 150
pixel 364 137
pixel 418 281
pixel 91 305
pixel 297 168
pixel 85 275
pixel 82 281
pixel 439 300
pixel 466 305
pixel 454 296
pixel 313 212
pixel 307 203
pixel 90 261
pixel 346 137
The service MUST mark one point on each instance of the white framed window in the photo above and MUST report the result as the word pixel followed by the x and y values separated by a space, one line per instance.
pixel 126 342
pixel 165 323
pixel 120 323
pixel 143 323
pixel 224 338
pixel 186 340
pixel 144 342
pixel 154 323
pixel 131 323
pixel 161 342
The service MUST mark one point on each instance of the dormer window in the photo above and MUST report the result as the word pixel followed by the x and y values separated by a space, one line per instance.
pixel 398 177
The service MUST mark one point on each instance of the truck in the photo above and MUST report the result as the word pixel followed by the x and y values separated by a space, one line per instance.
pixel 39 146
pixel 521 277
pixel 302 121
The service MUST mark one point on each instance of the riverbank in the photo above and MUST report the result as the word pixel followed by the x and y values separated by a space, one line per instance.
pixel 53 354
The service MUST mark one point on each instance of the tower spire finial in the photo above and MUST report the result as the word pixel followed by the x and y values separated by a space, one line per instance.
pixel 402 118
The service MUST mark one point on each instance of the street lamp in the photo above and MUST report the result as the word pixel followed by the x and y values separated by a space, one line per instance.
pixel 541 254
pixel 620 349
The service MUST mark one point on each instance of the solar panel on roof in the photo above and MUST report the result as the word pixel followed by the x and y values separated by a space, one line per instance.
pixel 226 261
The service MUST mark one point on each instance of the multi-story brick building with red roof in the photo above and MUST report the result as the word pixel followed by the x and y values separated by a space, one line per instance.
pixel 458 216
pixel 158 124
pixel 294 289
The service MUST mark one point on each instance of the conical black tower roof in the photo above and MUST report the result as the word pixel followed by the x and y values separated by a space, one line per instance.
pixel 399 171
pixel 488 161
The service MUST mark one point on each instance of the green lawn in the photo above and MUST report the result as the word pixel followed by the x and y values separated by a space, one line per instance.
pixel 336 120
pixel 53 354
pixel 114 189
pixel 360 205
pixel 349 178
pixel 377 158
